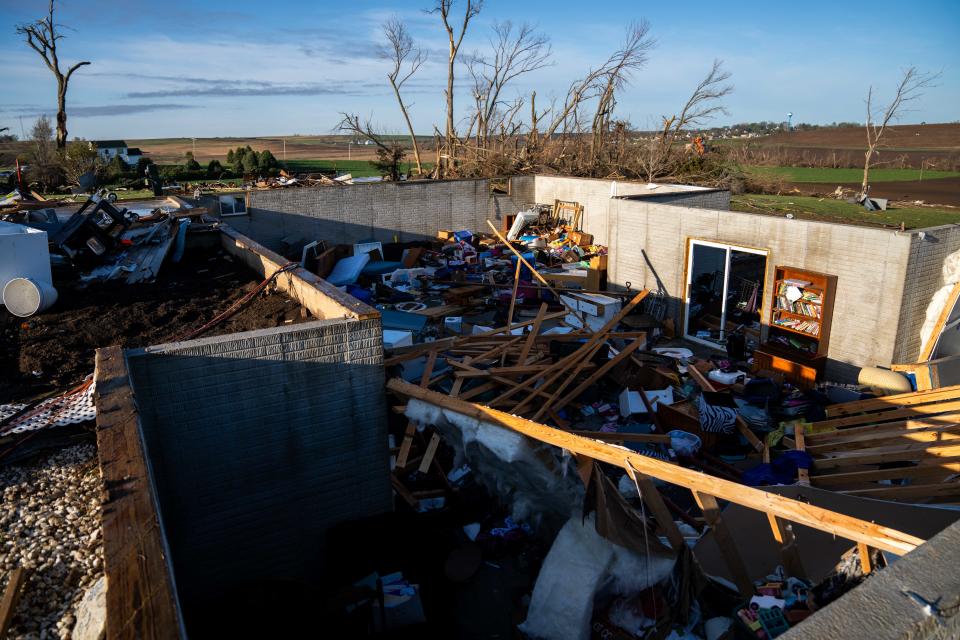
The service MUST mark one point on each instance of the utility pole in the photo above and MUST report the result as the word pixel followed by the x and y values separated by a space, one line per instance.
pixel 23 134
pixel 284 149
pixel 349 149
pixel 194 148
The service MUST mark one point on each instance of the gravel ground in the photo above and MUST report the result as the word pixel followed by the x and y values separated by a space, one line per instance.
pixel 50 522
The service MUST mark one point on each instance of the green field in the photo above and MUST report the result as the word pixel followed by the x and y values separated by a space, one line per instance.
pixel 837 176
pixel 829 210
pixel 358 168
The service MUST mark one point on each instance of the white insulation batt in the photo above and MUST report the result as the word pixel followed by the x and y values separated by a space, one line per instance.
pixel 523 472
pixel 580 565
pixel 951 276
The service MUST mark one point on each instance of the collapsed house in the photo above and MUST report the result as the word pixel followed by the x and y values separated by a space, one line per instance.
pixel 250 472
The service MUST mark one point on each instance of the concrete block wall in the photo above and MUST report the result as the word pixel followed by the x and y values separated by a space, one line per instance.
pixel 596 196
pixel 708 199
pixel 386 211
pixel 261 441
pixel 871 265
pixel 924 278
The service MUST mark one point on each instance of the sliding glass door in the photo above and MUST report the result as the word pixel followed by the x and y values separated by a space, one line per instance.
pixel 724 290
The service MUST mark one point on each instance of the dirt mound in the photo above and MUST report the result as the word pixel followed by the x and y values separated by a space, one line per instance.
pixel 55 350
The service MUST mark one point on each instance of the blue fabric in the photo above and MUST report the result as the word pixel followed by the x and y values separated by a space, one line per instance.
pixel 782 470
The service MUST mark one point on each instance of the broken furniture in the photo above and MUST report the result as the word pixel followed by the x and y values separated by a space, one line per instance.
pixel 89 235
pixel 801 312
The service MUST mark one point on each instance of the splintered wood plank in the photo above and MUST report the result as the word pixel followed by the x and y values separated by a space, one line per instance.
pixel 431 452
pixel 599 373
pixel 895 401
pixel 865 563
pixel 803 475
pixel 887 428
pixel 534 332
pixel 831 480
pixel 652 498
pixel 11 596
pixel 140 593
pixel 564 363
pixel 887 416
pixel 793 510
pixel 928 434
pixel 411 425
pixel 789 553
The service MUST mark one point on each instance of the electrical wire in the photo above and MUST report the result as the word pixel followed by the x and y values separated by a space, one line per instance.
pixel 236 306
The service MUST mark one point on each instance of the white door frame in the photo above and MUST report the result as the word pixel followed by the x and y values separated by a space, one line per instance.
pixel 729 248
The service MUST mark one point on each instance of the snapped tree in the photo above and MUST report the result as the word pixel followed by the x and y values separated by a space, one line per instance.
pixel 401 52
pixel 910 88
pixel 42 37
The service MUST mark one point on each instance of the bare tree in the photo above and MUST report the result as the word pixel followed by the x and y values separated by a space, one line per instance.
pixel 514 52
pixel 401 52
pixel 455 38
pixel 702 105
pixel 389 154
pixel 602 82
pixel 909 89
pixel 629 58
pixel 42 37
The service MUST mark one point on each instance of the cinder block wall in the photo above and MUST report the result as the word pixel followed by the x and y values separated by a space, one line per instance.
pixel 708 199
pixel 871 265
pixel 258 443
pixel 385 211
pixel 924 278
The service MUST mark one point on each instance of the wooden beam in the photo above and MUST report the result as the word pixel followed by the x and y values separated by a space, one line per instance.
pixel 411 425
pixel 728 548
pixel 649 438
pixel 141 601
pixel 884 429
pixel 11 596
pixel 865 563
pixel 563 363
pixel 533 270
pixel 893 401
pixel 887 416
pixel 431 452
pixel 902 454
pixel 803 475
pixel 652 498
pixel 831 480
pixel 929 434
pixel 789 553
pixel 793 510
pixel 599 373
pixel 534 332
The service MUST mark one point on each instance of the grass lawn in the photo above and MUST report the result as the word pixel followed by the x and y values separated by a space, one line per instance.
pixel 815 174
pixel 829 210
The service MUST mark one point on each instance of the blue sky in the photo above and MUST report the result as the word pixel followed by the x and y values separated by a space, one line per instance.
pixel 212 68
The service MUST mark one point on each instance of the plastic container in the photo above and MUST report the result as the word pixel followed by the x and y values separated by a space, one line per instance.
pixel 24 297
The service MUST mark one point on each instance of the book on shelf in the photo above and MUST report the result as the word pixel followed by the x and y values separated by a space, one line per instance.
pixel 804 326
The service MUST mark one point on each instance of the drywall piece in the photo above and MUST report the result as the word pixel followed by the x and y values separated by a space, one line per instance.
pixel 510 465
pixel 581 563
pixel 819 550
pixel 347 270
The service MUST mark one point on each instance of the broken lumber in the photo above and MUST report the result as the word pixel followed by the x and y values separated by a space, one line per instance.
pixel 793 510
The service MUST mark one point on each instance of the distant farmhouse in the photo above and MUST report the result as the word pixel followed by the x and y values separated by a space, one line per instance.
pixel 108 149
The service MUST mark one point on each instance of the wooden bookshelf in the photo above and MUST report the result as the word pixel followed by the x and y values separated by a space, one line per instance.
pixel 800 316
